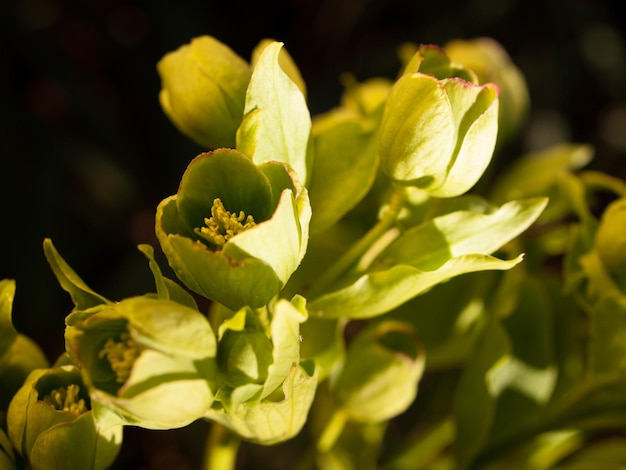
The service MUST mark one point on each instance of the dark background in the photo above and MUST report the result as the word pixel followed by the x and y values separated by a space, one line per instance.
pixel 86 153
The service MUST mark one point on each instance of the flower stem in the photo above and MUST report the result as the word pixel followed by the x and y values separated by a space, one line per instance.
pixel 221 449
pixel 351 257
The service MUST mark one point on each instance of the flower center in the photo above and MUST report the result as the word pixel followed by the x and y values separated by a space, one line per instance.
pixel 121 355
pixel 224 225
pixel 66 399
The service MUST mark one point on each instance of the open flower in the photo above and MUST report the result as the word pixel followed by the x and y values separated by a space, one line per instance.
pixel 203 91
pixel 149 360
pixel 438 135
pixel 52 424
pixel 235 232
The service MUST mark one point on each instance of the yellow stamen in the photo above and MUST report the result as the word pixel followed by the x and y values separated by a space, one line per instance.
pixel 66 399
pixel 121 355
pixel 223 225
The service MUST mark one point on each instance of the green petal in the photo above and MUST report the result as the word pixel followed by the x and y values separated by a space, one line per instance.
pixel 169 327
pixel 277 241
pixel 76 446
pixel 285 334
pixel 270 422
pixel 165 405
pixel 417 132
pixel 226 174
pixel 475 112
pixel 234 282
pixel 277 122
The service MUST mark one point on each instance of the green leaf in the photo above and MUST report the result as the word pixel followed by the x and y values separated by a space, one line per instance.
pixel 378 292
pixel 8 333
pixel 476 393
pixel 428 254
pixel 534 174
pixel 166 288
pixel 344 168
pixel 429 245
pixel 277 123
pixel 524 383
pixel 82 295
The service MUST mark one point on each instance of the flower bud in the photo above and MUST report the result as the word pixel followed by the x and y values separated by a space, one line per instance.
pixel 203 91
pixel 438 135
pixel 149 360
pixel 51 423
pixel 235 232
pixel 491 63
pixel 382 368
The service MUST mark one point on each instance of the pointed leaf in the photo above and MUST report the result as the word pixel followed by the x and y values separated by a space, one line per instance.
pixel 459 233
pixel 166 288
pixel 82 295
pixel 379 292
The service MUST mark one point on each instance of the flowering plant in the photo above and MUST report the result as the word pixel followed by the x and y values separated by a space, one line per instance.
pixel 334 274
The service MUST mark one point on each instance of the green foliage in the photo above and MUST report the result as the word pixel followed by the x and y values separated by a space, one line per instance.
pixel 357 297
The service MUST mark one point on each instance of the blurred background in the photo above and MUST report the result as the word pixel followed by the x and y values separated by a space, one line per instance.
pixel 86 153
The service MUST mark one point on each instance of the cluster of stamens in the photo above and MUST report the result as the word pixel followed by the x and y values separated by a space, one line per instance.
pixel 121 355
pixel 66 399
pixel 223 225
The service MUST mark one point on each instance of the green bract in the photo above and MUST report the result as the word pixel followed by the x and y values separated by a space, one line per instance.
pixel 149 360
pixel 438 135
pixel 52 424
pixel 203 91
pixel 235 232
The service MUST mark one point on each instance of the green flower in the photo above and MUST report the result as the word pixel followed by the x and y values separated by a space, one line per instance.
pixel 203 91
pixel 235 232
pixel 149 360
pixel 438 135
pixel 52 424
